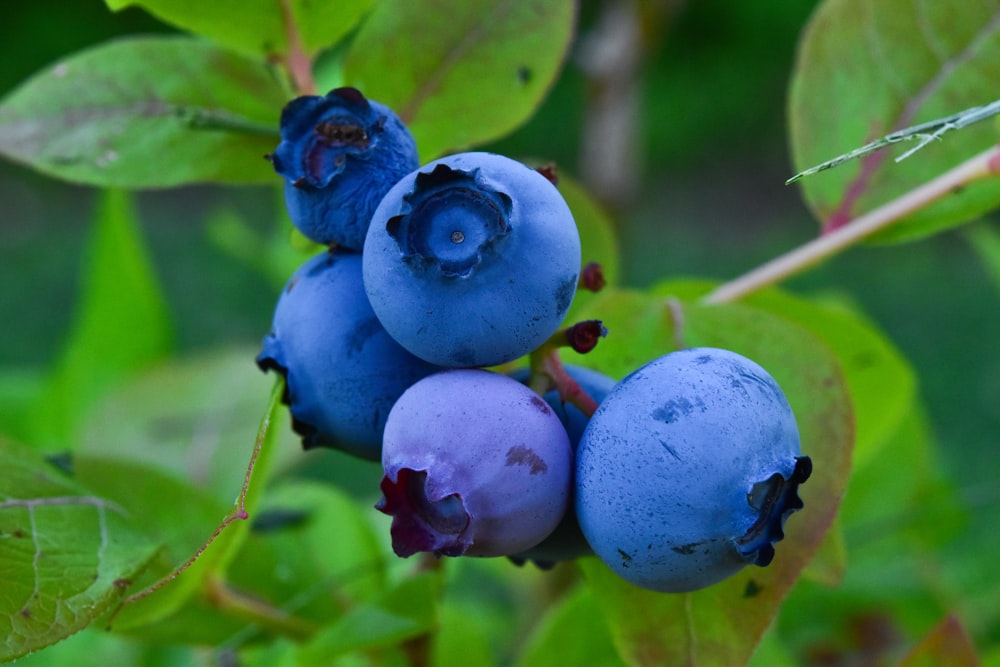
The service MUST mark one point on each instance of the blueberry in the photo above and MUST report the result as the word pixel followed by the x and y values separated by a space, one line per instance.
pixel 475 464
pixel 472 260
pixel 339 155
pixel 343 371
pixel 567 542
pixel 688 470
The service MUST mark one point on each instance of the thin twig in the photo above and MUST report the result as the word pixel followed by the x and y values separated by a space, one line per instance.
pixel 982 165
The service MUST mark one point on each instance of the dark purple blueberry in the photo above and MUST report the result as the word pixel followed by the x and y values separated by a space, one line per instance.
pixel 340 154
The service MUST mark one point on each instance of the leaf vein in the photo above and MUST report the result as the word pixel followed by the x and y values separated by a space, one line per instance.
pixel 453 56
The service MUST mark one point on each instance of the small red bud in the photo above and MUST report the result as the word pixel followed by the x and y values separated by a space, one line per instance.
pixel 592 277
pixel 584 336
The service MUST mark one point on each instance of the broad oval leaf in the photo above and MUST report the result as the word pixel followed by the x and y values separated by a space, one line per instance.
pixel 66 555
pixel 722 624
pixel 219 549
pixel 147 112
pixel 460 74
pixel 259 27
pixel 866 69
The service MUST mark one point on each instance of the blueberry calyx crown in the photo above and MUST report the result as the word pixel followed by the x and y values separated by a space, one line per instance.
pixel 419 523
pixel 775 499
pixel 319 133
pixel 450 219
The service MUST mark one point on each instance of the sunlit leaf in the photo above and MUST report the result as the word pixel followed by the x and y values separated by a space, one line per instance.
pixel 66 555
pixel 460 74
pixel 866 69
pixel 121 326
pixel 259 27
pixel 723 623
pixel 147 112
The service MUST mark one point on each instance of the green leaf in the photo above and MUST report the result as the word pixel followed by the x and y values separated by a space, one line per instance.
pixel 898 516
pixel 866 69
pixel 146 112
pixel 870 363
pixel 259 27
pixel 460 74
pixel 121 323
pixel 406 611
pixel 324 24
pixel 93 647
pixel 174 513
pixel 191 417
pixel 598 239
pixel 573 632
pixel 222 546
pixel 324 545
pixel 460 638
pixel 723 623
pixel 66 555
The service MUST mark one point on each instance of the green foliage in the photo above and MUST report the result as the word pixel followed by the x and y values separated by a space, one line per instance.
pixel 148 448
pixel 261 27
pixel 146 112
pixel 67 554
pixel 460 74
pixel 867 69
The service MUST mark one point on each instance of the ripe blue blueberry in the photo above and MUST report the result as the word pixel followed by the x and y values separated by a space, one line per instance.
pixel 567 542
pixel 688 470
pixel 343 371
pixel 472 260
pixel 339 155
pixel 475 464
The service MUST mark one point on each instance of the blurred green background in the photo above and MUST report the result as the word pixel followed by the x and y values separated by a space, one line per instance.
pixel 696 188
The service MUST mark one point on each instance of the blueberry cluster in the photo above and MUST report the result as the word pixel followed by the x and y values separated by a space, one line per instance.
pixel 676 477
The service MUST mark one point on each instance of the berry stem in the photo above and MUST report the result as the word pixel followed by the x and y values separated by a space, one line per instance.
pixel 297 61
pixel 799 259
pixel 547 372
